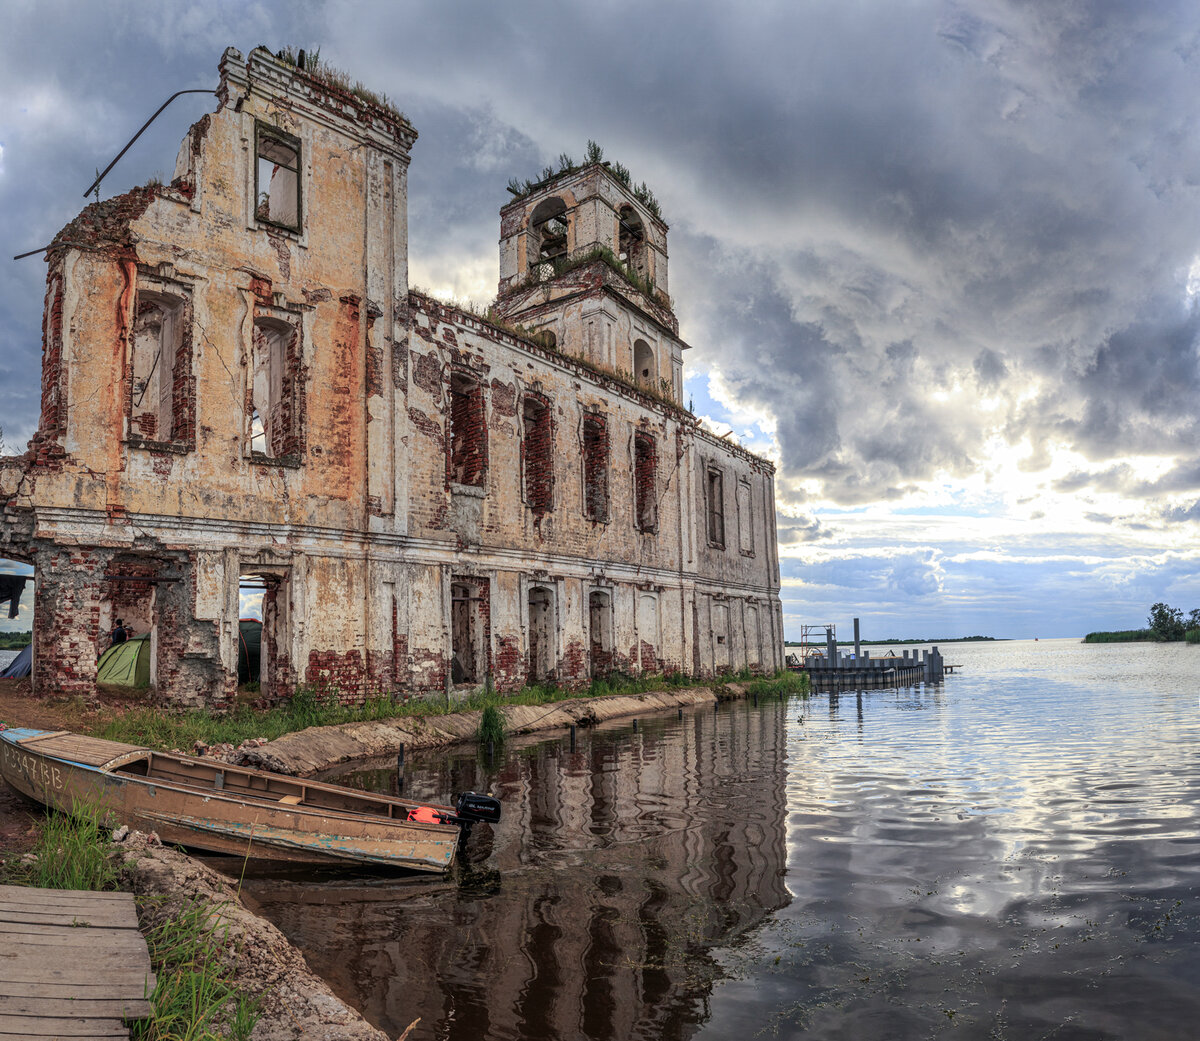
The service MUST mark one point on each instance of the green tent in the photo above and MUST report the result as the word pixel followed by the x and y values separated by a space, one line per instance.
pixel 126 664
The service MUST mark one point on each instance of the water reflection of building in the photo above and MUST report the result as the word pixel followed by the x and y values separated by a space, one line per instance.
pixel 620 866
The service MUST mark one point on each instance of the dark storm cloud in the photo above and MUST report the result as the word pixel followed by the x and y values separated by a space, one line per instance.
pixel 877 212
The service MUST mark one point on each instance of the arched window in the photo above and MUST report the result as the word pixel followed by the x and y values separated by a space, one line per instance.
pixel 546 241
pixel 645 367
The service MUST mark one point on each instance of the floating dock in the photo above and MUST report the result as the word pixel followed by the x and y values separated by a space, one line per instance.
pixel 838 670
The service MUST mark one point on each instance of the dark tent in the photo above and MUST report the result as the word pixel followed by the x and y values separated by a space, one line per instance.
pixel 126 664
pixel 20 666
pixel 249 650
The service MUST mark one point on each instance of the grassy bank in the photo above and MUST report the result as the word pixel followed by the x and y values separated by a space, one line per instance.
pixel 161 729
pixel 1121 636
pixel 1138 636
pixel 195 996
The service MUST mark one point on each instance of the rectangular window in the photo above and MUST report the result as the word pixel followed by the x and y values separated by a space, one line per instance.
pixel 467 458
pixel 715 496
pixel 276 404
pixel 537 454
pixel 277 178
pixel 161 390
pixel 645 482
pixel 745 518
pixel 595 468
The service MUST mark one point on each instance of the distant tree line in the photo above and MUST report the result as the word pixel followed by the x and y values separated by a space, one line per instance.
pixel 15 641
pixel 1164 624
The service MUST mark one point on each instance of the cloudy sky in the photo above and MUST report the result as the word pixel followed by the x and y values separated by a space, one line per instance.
pixel 940 261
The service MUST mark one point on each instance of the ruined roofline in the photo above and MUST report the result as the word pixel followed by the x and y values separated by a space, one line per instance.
pixel 350 112
pixel 605 379
pixel 560 179
pixel 505 333
pixel 761 462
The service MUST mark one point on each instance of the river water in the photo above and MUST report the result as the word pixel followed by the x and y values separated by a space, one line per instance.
pixel 1009 854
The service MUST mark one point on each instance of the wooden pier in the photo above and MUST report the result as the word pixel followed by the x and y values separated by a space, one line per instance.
pixel 72 964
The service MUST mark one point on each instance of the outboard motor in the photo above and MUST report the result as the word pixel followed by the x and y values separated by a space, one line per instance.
pixel 472 807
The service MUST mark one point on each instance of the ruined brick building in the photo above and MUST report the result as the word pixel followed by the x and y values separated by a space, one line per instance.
pixel 238 385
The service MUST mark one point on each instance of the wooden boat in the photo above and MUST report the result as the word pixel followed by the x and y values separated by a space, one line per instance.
pixel 211 805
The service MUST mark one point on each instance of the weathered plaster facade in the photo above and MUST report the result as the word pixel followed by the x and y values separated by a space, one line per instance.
pixel 238 382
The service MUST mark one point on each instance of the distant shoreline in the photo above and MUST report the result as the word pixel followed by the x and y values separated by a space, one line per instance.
pixel 884 643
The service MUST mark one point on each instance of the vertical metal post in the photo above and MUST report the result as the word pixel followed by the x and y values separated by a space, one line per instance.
pixel 857 649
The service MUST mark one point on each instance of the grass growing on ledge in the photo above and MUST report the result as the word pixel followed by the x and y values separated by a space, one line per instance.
pixel 163 729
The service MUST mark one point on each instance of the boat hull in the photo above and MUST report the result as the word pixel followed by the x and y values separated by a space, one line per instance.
pixel 212 806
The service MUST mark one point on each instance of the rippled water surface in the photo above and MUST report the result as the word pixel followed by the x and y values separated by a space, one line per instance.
pixel 1010 854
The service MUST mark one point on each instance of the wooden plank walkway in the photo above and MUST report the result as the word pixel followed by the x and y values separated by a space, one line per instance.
pixel 72 964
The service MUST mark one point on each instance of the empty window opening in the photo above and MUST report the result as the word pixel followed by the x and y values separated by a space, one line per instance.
pixel 276 390
pixel 160 368
pixel 715 496
pixel 468 614
pixel 264 597
pixel 277 178
pixel 631 241
pixel 537 454
pixel 595 468
pixel 547 235
pixel 645 367
pixel 645 481
pixel 542 633
pixel 600 631
pixel 468 432
pixel 745 518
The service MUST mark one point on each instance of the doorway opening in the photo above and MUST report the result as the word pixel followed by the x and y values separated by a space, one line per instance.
pixel 542 632
pixel 263 634
pixel 468 629
pixel 600 632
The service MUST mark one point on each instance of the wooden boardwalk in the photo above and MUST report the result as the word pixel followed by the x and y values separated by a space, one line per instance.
pixel 72 964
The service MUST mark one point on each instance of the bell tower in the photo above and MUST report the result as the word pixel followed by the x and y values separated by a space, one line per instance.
pixel 583 258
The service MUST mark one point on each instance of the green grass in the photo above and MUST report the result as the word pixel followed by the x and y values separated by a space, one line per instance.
pixel 70 853
pixel 158 728
pixel 491 726
pixel 780 685
pixel 1192 636
pixel 1121 636
pixel 196 998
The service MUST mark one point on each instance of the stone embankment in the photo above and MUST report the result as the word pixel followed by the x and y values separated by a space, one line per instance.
pixel 318 748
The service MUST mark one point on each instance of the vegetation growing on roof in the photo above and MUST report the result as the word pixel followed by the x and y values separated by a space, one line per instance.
pixel 592 155
pixel 310 63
